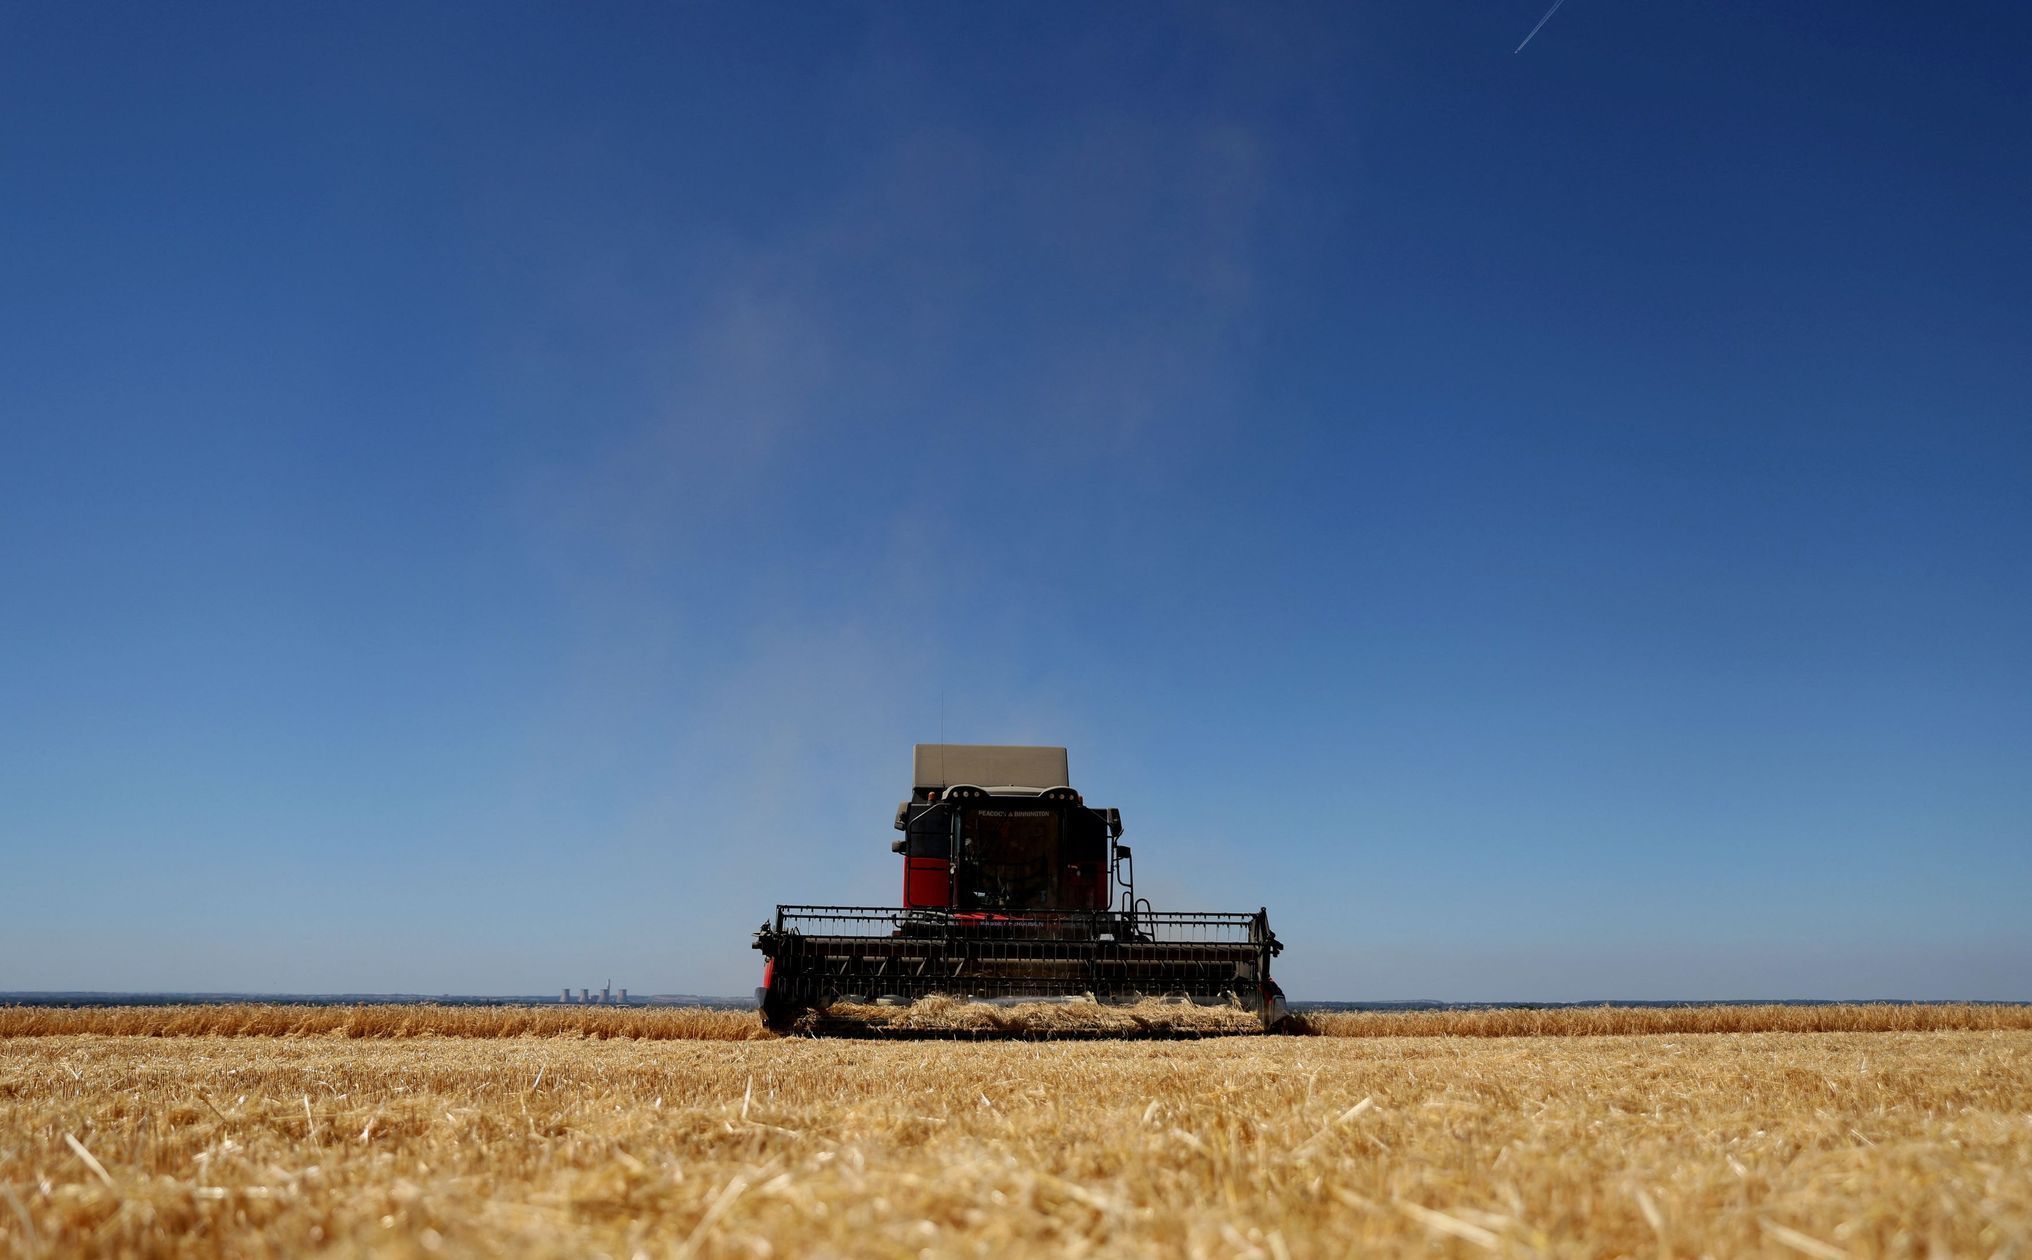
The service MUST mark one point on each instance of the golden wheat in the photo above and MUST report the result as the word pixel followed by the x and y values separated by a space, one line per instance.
pixel 1768 1144
pixel 381 1021
pixel 1599 1021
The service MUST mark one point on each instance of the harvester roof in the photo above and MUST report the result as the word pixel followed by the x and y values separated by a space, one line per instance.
pixel 990 766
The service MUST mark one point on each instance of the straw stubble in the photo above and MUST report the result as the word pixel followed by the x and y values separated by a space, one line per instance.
pixel 550 1143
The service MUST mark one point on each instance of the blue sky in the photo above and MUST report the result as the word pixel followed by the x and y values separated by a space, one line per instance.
pixel 488 497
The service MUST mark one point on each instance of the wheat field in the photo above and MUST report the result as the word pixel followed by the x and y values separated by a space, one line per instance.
pixel 936 1015
pixel 400 1138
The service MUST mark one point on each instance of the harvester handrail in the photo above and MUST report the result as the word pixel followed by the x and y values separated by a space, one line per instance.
pixel 1170 927
pixel 1236 915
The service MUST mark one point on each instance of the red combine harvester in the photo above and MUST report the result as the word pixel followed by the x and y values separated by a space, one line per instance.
pixel 1014 889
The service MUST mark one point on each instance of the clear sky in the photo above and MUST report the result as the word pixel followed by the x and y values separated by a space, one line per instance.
pixel 490 494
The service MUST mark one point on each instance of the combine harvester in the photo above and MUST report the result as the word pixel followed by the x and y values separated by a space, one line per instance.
pixel 1015 890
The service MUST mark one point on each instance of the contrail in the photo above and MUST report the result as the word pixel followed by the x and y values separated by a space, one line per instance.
pixel 1541 26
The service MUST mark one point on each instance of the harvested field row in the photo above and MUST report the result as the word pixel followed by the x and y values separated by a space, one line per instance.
pixel 949 1015
pixel 707 1024
pixel 1758 1145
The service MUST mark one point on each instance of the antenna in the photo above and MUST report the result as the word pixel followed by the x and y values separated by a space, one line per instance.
pixel 941 740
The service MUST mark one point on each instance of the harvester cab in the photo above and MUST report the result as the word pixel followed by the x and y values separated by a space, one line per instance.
pixel 1014 888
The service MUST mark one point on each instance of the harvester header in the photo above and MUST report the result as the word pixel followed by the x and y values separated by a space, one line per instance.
pixel 1014 888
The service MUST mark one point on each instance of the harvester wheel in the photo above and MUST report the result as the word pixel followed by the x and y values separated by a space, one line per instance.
pixel 780 1015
